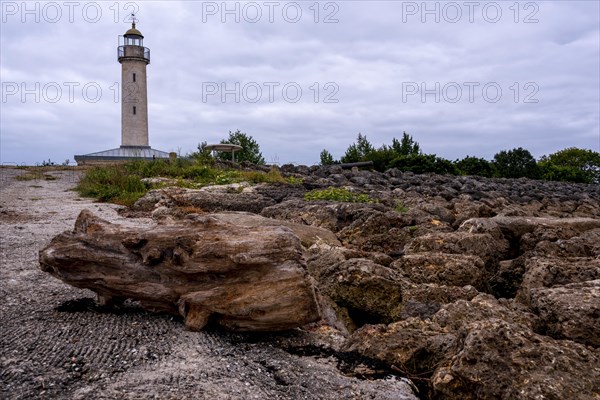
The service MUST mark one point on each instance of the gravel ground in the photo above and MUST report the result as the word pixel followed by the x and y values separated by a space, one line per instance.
pixel 56 344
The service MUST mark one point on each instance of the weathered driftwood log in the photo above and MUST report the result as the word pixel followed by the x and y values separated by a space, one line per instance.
pixel 244 278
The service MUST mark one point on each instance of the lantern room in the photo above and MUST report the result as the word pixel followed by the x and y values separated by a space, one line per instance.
pixel 133 37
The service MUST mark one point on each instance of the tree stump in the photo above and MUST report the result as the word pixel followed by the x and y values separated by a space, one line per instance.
pixel 245 278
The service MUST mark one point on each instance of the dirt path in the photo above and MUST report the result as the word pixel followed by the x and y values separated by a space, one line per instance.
pixel 54 342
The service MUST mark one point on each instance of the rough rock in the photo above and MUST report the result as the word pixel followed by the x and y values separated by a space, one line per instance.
pixel 243 278
pixel 518 226
pixel 481 349
pixel 373 293
pixel 586 244
pixel 414 347
pixel 466 208
pixel 309 235
pixel 424 300
pixel 500 360
pixel 439 211
pixel 538 236
pixel 482 245
pixel 281 192
pixel 550 272
pixel 372 227
pixel 442 269
pixel 330 215
pixel 205 199
pixel 159 181
pixel 369 291
pixel 455 316
pixel 389 231
pixel 569 312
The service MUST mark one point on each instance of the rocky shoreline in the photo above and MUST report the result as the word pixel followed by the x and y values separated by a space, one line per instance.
pixel 474 288
pixel 443 287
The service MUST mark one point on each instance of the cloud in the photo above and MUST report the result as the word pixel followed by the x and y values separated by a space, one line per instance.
pixel 379 70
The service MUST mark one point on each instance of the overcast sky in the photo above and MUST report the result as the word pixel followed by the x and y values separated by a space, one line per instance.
pixel 463 78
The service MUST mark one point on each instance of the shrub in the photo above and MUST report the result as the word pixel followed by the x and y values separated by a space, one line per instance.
pixel 112 183
pixel 292 180
pixel 122 183
pixel 401 208
pixel 199 173
pixel 273 176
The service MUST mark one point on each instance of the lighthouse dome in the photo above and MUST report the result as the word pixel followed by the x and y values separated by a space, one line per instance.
pixel 133 32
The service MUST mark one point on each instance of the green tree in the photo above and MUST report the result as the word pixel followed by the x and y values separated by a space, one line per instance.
pixel 406 146
pixel 475 166
pixel 424 163
pixel 326 158
pixel 381 158
pixel 516 163
pixel 358 151
pixel 202 154
pixel 250 148
pixel 571 165
pixel 363 146
pixel 363 150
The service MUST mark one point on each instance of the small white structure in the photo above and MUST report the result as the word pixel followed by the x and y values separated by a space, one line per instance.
pixel 224 147
pixel 134 58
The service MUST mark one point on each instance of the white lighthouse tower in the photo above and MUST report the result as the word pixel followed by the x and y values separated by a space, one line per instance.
pixel 134 58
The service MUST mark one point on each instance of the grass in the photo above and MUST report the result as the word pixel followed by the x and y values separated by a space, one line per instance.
pixel 401 208
pixel 292 180
pixel 35 175
pixel 122 183
pixel 113 183
pixel 338 194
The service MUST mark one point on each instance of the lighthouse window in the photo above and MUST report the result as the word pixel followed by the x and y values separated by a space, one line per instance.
pixel 134 76
pixel 133 110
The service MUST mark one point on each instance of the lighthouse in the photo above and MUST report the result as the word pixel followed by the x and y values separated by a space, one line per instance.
pixel 134 58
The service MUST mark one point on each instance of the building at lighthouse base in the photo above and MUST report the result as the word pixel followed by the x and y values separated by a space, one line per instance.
pixel 121 154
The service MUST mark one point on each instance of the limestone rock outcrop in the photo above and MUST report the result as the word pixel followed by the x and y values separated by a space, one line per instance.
pixel 442 269
pixel 235 199
pixel 569 312
pixel 482 349
pixel 499 359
